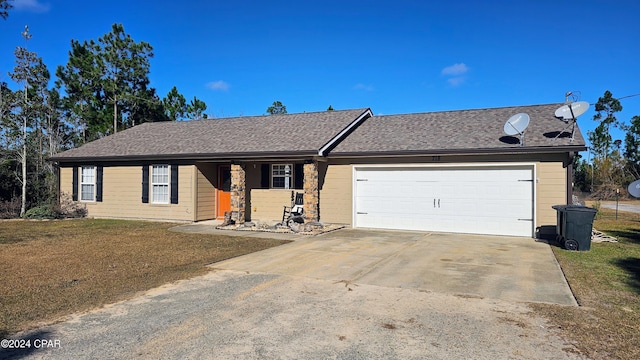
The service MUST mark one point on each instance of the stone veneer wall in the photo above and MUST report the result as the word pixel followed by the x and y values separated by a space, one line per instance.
pixel 311 192
pixel 238 192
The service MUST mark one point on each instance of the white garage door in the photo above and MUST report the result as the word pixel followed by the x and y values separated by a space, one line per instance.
pixel 483 200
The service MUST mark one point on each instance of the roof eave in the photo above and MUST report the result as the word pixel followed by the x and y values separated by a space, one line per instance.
pixel 486 151
pixel 189 157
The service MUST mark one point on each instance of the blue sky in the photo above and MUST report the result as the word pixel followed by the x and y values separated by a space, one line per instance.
pixel 392 56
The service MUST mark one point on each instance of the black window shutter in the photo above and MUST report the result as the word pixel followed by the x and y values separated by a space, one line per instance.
pixel 298 175
pixel 99 183
pixel 174 184
pixel 74 186
pixel 264 176
pixel 145 184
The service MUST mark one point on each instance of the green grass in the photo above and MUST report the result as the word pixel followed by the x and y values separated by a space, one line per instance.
pixel 606 283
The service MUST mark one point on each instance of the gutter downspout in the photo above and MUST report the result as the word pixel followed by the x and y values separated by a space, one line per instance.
pixel 570 178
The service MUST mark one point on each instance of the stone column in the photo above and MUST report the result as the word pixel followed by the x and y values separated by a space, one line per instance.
pixel 238 194
pixel 311 192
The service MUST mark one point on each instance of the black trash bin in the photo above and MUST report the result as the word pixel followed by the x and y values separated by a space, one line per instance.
pixel 574 226
pixel 560 210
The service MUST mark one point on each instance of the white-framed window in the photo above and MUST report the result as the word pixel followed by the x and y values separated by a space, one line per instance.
pixel 282 176
pixel 88 183
pixel 160 184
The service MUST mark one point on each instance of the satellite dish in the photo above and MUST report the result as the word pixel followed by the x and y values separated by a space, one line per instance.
pixel 516 125
pixel 568 113
pixel 572 110
pixel 634 189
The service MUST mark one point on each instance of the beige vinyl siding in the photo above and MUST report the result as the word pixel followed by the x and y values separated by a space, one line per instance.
pixel 66 182
pixel 336 203
pixel 267 204
pixel 206 175
pixel 122 195
pixel 551 190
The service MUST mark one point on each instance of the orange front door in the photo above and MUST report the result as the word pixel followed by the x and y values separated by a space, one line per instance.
pixel 224 190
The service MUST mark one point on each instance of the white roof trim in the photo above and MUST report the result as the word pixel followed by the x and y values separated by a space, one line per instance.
pixel 341 135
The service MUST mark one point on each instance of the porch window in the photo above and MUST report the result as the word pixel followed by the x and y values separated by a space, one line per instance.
pixel 281 176
pixel 88 183
pixel 160 184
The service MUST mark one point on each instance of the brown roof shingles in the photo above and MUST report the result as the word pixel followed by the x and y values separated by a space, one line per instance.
pixel 457 131
pixel 464 131
pixel 303 133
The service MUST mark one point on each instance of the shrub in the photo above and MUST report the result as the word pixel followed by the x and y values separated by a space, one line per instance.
pixel 42 212
pixel 69 208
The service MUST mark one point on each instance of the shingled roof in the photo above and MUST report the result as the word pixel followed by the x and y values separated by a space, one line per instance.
pixel 336 133
pixel 465 131
pixel 303 134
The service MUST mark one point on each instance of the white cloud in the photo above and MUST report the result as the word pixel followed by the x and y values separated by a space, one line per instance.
pixel 455 69
pixel 218 85
pixel 455 73
pixel 363 87
pixel 456 81
pixel 31 5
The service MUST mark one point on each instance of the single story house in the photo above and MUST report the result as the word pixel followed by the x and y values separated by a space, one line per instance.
pixel 451 171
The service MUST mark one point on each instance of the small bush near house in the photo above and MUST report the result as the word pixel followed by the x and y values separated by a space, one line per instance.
pixel 70 209
pixel 66 209
pixel 42 212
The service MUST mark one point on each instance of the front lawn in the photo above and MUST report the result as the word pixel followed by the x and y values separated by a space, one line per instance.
pixel 49 269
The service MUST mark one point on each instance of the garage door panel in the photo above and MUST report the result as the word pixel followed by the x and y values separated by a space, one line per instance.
pixel 473 200
pixel 399 222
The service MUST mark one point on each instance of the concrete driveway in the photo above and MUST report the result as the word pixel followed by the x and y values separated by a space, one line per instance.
pixel 351 294
pixel 496 267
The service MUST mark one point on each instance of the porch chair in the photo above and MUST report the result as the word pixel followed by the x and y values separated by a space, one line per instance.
pixel 294 212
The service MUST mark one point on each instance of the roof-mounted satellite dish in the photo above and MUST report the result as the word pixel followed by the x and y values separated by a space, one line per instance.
pixel 569 113
pixel 572 110
pixel 634 189
pixel 516 125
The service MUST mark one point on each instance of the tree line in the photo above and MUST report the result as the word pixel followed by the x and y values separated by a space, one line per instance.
pixel 103 88
pixel 613 163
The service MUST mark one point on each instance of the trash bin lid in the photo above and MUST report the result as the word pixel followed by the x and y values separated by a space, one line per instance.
pixel 580 208
pixel 561 207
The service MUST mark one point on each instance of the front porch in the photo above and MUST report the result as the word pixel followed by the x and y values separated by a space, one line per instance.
pixel 258 190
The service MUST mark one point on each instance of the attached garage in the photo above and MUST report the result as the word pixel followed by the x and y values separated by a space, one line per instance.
pixel 496 200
